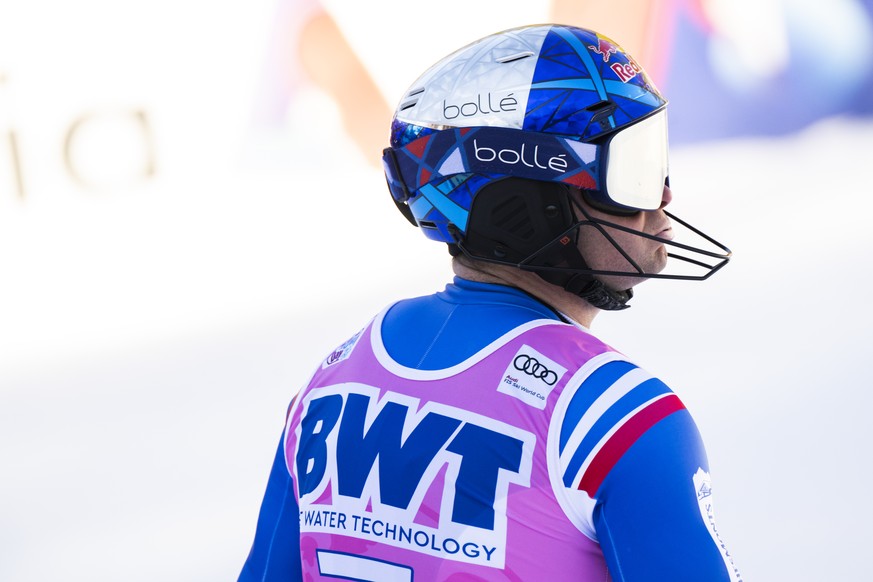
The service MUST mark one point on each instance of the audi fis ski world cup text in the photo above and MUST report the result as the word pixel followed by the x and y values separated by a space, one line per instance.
pixel 532 367
pixel 531 377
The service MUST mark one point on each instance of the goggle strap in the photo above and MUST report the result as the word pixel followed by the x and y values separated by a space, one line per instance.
pixel 494 150
pixel 397 185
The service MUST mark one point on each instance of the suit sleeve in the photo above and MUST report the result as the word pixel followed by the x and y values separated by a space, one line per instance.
pixel 275 553
pixel 635 477
pixel 653 514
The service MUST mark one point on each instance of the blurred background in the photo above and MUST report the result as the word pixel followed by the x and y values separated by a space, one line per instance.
pixel 192 215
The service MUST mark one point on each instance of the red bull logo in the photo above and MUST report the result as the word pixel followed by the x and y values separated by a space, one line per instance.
pixel 605 48
pixel 626 72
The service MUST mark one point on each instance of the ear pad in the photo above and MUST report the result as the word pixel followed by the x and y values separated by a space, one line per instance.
pixel 513 218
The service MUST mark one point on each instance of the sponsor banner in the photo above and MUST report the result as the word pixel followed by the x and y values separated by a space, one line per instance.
pixel 430 478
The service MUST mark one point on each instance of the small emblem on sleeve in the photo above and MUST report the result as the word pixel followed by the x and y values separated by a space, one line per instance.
pixel 531 377
pixel 342 352
pixel 703 486
pixel 704 490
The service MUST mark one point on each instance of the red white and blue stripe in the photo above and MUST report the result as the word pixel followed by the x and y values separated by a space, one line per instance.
pixel 614 406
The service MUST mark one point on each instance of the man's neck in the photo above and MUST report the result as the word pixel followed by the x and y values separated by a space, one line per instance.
pixel 558 299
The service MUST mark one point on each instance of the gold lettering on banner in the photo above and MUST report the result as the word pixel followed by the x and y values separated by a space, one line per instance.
pixel 140 120
pixel 136 141
pixel 14 152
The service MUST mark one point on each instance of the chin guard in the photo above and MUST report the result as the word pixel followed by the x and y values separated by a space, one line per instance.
pixel 514 220
pixel 532 226
pixel 595 292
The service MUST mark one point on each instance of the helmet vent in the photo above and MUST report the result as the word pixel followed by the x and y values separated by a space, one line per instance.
pixel 411 102
pixel 515 57
pixel 512 216
pixel 599 106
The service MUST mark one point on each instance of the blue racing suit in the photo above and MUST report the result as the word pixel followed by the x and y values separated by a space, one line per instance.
pixel 627 461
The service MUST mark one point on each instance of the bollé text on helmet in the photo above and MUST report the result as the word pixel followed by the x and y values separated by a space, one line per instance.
pixel 511 157
pixel 474 108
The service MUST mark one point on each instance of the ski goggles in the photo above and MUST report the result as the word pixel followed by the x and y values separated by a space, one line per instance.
pixel 635 165
pixel 625 172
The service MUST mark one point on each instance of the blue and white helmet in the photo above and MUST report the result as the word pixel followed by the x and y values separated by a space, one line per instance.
pixel 559 88
pixel 517 118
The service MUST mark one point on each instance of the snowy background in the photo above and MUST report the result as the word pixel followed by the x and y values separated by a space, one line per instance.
pixel 171 271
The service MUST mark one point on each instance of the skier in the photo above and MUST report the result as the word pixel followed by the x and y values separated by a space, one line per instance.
pixel 484 432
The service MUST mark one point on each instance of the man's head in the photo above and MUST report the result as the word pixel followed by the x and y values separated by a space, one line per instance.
pixel 545 148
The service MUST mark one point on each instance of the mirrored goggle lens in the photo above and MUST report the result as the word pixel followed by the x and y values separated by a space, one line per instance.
pixel 637 163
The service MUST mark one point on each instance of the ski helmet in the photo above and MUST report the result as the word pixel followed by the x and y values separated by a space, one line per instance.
pixel 488 144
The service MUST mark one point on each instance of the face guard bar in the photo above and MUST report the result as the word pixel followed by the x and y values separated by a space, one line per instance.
pixel 706 262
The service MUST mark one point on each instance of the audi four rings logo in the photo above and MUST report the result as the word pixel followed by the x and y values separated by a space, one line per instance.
pixel 532 367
